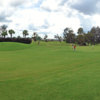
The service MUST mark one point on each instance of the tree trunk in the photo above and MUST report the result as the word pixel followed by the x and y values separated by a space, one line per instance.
pixel 11 35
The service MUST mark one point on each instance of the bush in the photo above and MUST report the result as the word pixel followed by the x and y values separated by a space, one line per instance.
pixel 21 40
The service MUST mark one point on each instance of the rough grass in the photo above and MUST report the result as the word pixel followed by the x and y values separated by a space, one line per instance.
pixel 49 71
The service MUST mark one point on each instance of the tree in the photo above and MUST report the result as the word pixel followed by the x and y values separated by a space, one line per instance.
pixel 3 29
pixel 4 33
pixel 81 40
pixel 38 38
pixel 59 38
pixel 45 37
pixel 34 36
pixel 66 30
pixel 69 35
pixel 96 32
pixel 80 31
pixel 89 38
pixel 25 33
pixel 11 32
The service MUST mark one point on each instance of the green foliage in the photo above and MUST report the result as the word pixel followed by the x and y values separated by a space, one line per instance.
pixel 69 35
pixel 80 31
pixel 80 39
pixel 11 32
pixel 45 38
pixel 59 38
pixel 91 37
pixel 25 33
pixel 20 40
pixel 4 34
pixel 36 37
pixel 4 27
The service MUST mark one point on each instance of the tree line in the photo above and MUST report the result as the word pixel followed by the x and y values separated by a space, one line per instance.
pixel 82 38
pixel 4 32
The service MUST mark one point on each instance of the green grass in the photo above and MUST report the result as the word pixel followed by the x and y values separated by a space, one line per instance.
pixel 49 71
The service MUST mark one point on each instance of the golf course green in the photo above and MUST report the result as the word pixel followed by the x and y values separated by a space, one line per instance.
pixel 49 71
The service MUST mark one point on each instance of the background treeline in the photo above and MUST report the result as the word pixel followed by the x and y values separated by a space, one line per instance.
pixel 21 40
pixel 82 38
pixel 4 32
pixel 91 37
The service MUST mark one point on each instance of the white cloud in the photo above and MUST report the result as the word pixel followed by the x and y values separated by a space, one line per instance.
pixel 96 19
pixel 45 16
pixel 51 4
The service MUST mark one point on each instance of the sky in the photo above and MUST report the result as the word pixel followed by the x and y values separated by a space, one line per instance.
pixel 49 17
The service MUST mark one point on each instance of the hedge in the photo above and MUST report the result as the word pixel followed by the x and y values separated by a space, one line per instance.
pixel 21 40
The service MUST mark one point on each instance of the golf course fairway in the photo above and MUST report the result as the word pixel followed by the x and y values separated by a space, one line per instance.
pixel 49 71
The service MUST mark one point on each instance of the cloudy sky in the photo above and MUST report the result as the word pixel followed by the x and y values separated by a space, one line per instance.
pixel 49 16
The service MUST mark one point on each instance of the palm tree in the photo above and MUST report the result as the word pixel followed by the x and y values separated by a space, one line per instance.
pixel 25 33
pixel 11 32
pixel 4 33
pixel 35 36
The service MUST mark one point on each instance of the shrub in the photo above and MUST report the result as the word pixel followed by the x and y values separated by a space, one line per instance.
pixel 21 40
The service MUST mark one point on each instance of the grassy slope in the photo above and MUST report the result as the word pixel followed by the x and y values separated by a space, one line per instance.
pixel 51 71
